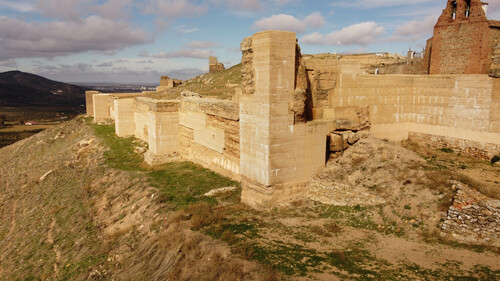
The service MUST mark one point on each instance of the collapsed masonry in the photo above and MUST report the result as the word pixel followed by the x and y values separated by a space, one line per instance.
pixel 294 110
pixel 167 83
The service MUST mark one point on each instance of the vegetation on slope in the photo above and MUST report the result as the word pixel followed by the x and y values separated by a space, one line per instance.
pixel 220 85
pixel 77 204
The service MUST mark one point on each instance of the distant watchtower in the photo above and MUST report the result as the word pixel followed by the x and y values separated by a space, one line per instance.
pixel 214 65
pixel 464 40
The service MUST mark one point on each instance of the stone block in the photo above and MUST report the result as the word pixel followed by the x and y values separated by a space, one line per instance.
pixel 338 142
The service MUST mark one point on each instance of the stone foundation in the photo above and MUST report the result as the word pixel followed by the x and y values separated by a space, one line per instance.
pixel 473 217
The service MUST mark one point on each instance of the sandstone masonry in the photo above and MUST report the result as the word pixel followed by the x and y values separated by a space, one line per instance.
pixel 294 110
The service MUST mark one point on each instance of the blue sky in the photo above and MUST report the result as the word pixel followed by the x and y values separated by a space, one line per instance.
pixel 138 41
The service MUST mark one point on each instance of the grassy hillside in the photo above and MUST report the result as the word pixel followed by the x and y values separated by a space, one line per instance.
pixel 221 85
pixel 77 203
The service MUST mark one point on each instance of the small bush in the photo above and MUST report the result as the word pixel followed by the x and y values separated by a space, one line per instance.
pixel 447 150
pixel 495 159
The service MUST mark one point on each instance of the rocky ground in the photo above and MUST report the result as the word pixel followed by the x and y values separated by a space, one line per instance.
pixel 79 204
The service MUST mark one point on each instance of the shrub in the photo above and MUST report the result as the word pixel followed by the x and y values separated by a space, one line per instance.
pixel 495 159
pixel 447 150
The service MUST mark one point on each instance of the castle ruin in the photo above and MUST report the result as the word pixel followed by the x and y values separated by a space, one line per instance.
pixel 277 134
pixel 214 65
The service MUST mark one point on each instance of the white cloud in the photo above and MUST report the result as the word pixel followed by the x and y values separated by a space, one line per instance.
pixel 315 20
pixel 19 6
pixel 114 9
pixel 281 22
pixel 313 39
pixel 68 9
pixel 201 44
pixel 248 5
pixel 20 39
pixel 8 63
pixel 493 12
pixel 367 4
pixel 182 53
pixel 290 23
pixel 185 29
pixel 357 34
pixel 414 30
pixel 173 8
pixel 105 64
pixel 82 72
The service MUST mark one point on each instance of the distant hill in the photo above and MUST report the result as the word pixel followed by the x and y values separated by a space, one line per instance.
pixel 20 89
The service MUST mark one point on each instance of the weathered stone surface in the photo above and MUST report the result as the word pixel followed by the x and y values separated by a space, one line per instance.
pixel 247 71
pixel 456 34
pixel 214 65
pixel 353 138
pixel 187 93
pixel 473 217
pixel 338 142
pixel 219 191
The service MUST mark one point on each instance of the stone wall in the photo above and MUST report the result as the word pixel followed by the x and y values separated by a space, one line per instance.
pixel 473 217
pixel 214 65
pixel 454 106
pixel 124 116
pixel 209 134
pixel 277 155
pixel 102 104
pixel 141 119
pixel 495 56
pixel 89 100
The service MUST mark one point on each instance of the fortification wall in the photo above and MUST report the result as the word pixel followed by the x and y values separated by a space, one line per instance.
pixel 277 155
pixel 141 119
pixel 89 101
pixel 102 104
pixel 209 134
pixel 453 107
pixel 124 117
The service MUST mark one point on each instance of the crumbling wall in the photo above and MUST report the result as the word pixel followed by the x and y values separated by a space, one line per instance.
pixel 247 70
pixel 214 65
pixel 495 55
pixel 322 76
pixel 167 83
pixel 209 134
pixel 473 217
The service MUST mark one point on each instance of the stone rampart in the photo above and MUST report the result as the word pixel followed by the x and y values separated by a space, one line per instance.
pixel 89 99
pixel 452 106
pixel 209 134
pixel 274 139
pixel 277 155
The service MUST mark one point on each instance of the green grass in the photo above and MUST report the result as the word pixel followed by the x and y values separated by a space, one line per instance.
pixel 121 150
pixel 180 183
pixel 184 183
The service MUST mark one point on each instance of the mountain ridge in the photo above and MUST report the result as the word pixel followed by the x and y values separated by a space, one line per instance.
pixel 20 89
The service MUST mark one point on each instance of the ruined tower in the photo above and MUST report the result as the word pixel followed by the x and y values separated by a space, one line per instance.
pixel 214 65
pixel 464 40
